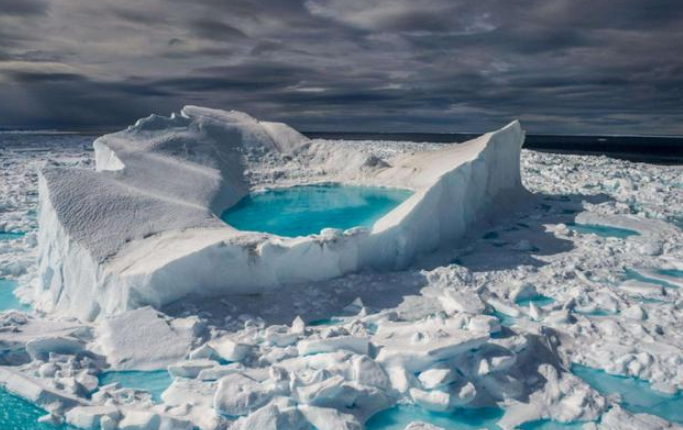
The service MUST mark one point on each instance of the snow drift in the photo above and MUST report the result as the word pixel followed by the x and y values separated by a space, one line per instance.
pixel 145 229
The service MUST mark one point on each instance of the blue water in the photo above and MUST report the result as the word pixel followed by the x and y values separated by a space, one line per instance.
pixel 304 210
pixel 8 300
pixel 603 231
pixel 671 272
pixel 538 300
pixel 4 235
pixel 552 425
pixel 155 382
pixel 636 395
pixel 19 414
pixel 400 416
pixel 632 274
pixel 326 322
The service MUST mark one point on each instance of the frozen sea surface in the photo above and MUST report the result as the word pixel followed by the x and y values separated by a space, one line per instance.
pixel 611 298
pixel 304 210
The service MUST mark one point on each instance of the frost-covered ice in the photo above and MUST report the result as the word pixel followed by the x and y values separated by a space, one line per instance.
pixel 145 228
pixel 428 339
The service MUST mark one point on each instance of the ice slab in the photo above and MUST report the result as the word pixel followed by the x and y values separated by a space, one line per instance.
pixel 121 339
pixel 145 228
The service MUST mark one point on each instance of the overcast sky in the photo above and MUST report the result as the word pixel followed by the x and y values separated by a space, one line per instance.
pixel 561 66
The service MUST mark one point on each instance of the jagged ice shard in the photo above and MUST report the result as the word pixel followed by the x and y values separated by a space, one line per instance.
pixel 145 228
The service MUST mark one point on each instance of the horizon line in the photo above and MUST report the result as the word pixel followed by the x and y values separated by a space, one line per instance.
pixel 103 131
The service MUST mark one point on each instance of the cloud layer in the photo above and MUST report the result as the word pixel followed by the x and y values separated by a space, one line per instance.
pixel 561 66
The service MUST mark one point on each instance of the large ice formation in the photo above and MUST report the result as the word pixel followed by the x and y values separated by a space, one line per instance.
pixel 145 228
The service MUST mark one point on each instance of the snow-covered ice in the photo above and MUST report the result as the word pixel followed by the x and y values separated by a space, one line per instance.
pixel 145 227
pixel 496 320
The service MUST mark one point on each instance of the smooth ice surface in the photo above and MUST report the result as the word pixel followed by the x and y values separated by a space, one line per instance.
pixel 400 416
pixel 636 395
pixel 603 230
pixel 156 382
pixel 18 414
pixel 7 298
pixel 307 209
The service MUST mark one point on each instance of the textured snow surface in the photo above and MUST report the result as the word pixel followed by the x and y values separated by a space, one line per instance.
pixel 145 229
pixel 471 325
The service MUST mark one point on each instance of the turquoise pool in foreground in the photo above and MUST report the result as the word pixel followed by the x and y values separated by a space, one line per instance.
pixel 307 209
pixel 634 274
pixel 155 381
pixel 552 425
pixel 11 235
pixel 636 396
pixel 8 300
pixel 400 416
pixel 19 414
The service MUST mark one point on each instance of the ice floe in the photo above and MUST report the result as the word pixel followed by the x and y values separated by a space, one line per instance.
pixel 485 333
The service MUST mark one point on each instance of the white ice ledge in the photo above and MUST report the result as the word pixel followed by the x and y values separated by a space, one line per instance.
pixel 145 228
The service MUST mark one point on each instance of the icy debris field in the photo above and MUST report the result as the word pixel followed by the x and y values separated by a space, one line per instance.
pixel 586 279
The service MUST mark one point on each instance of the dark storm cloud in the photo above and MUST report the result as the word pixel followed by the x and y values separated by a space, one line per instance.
pixel 570 66
pixel 216 30
pixel 23 7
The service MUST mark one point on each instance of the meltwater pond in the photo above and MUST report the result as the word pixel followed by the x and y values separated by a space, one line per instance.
pixel 8 300
pixel 603 230
pixel 155 382
pixel 307 209
pixel 398 417
pixel 636 396
pixel 6 235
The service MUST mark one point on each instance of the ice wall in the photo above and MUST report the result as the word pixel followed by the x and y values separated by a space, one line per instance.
pixel 144 229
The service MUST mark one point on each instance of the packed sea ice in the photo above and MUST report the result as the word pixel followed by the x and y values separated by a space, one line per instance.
pixel 486 333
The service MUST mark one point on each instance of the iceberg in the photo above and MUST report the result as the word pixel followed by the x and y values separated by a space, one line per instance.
pixel 144 227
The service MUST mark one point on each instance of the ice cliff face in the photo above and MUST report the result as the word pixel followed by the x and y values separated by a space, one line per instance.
pixel 144 228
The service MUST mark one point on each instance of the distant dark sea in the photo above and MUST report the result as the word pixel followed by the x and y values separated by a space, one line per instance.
pixel 661 150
